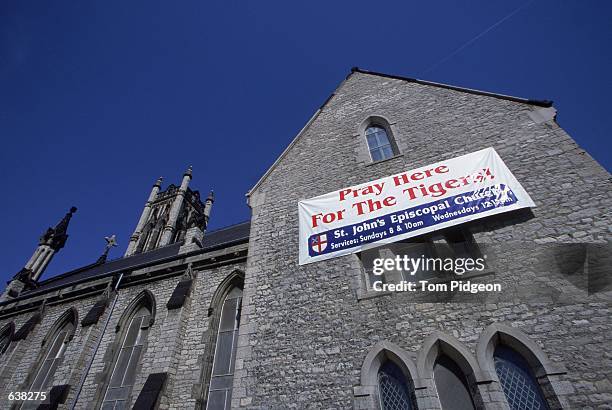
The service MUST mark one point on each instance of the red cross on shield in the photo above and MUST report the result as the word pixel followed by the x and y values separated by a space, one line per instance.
pixel 318 243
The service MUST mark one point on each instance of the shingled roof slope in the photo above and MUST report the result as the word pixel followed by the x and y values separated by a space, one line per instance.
pixel 216 239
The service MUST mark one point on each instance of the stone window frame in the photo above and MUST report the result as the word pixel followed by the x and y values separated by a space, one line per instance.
pixel 439 343
pixel 70 316
pixel 360 277
pixel 546 372
pixel 390 127
pixel 234 279
pixel 360 280
pixel 144 298
pixel 366 394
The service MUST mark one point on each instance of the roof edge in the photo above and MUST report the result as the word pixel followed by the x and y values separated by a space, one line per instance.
pixel 285 151
pixel 92 265
pixel 161 260
pixel 539 103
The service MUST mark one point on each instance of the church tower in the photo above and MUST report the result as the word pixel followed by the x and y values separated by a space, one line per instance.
pixel 51 241
pixel 170 216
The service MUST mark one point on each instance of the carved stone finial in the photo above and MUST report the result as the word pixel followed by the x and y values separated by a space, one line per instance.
pixel 189 170
pixel 107 291
pixel 158 182
pixel 188 273
pixel 56 237
pixel 211 196
pixel 111 241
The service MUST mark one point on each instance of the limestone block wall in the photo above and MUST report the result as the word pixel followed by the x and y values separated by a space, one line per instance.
pixel 306 331
pixel 177 344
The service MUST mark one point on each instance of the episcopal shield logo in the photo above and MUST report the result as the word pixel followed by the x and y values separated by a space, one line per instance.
pixel 318 243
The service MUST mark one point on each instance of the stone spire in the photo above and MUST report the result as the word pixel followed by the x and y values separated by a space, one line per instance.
pixel 56 237
pixel 51 241
pixel 177 205
pixel 144 217
pixel 175 214
pixel 208 207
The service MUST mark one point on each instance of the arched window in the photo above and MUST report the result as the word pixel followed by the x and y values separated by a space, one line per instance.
pixel 52 355
pixel 124 372
pixel 144 237
pixel 386 380
pixel 517 380
pixel 156 234
pixel 221 381
pixel 452 386
pixel 393 388
pixel 515 359
pixel 379 143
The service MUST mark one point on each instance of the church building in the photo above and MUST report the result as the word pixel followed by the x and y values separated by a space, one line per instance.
pixel 192 318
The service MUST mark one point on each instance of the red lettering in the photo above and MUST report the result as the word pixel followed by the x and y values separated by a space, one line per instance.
pixel 344 193
pixel 389 201
pixel 398 182
pixel 327 218
pixel 451 183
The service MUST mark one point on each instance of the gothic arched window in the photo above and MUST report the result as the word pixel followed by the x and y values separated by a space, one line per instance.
pixel 52 355
pixel 452 385
pixel 517 380
pixel 393 388
pixel 379 143
pixel 156 234
pixel 124 372
pixel 221 381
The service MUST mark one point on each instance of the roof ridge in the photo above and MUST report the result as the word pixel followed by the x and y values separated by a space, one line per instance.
pixel 228 226
pixel 540 103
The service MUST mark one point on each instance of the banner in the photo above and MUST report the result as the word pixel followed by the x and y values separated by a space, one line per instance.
pixel 409 204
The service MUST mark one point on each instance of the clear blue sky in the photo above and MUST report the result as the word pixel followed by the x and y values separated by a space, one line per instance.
pixel 98 99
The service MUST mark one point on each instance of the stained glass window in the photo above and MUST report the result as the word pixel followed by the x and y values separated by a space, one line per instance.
pixel 393 388
pixel 520 386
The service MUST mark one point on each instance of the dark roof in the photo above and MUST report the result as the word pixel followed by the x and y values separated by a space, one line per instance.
pixel 540 103
pixel 98 270
pixel 216 239
pixel 227 236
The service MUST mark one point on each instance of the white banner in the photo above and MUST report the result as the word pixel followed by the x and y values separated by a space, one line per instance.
pixel 409 204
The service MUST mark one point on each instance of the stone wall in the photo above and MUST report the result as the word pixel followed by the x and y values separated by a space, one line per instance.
pixel 306 329
pixel 177 344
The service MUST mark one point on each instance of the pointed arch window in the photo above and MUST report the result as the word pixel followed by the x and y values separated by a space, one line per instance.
pixel 221 381
pixel 452 385
pixel 394 390
pixel 517 380
pixel 125 368
pixel 52 356
pixel 156 234
pixel 379 143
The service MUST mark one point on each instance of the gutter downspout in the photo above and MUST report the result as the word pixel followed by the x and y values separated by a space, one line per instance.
pixel 93 356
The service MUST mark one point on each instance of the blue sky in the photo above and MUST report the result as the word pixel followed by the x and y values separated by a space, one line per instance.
pixel 98 99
